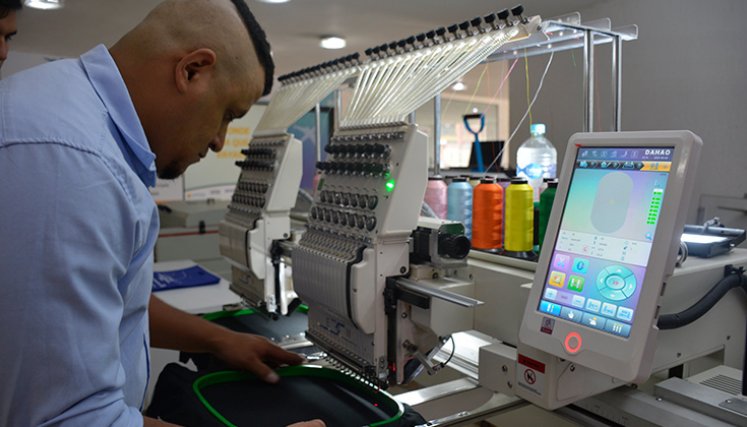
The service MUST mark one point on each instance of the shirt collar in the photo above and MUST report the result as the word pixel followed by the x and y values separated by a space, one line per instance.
pixel 107 81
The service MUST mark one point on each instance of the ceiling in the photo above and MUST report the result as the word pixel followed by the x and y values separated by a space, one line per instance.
pixel 293 28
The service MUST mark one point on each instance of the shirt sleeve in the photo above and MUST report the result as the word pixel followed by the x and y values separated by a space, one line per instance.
pixel 66 238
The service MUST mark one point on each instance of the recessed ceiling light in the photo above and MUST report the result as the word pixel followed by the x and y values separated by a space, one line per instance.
pixel 44 4
pixel 273 1
pixel 459 86
pixel 333 42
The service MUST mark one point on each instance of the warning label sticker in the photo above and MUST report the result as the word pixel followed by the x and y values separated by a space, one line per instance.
pixel 532 375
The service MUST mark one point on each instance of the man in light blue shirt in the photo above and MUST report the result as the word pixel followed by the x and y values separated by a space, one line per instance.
pixel 80 142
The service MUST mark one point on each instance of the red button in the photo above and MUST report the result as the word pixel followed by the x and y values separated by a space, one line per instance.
pixel 573 342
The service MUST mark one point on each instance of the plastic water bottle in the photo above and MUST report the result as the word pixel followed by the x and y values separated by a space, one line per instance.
pixel 536 159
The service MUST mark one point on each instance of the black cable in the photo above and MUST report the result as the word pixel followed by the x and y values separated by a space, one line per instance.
pixel 453 350
pixel 734 277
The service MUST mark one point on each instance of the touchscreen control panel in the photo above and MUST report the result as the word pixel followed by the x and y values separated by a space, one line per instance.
pixel 604 242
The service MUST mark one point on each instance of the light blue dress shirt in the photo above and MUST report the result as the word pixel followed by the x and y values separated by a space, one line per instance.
pixel 77 230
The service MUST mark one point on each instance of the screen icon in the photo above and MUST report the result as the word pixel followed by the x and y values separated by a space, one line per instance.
pixel 571 314
pixel 576 283
pixel 594 321
pixel 609 309
pixel 593 305
pixel 578 301
pixel 581 265
pixel 561 261
pixel 625 314
pixel 617 328
pixel 550 308
pixel 557 279
pixel 551 294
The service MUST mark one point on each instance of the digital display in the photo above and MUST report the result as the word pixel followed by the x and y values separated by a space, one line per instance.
pixel 606 232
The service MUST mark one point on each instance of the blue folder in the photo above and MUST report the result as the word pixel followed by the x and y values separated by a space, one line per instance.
pixel 184 278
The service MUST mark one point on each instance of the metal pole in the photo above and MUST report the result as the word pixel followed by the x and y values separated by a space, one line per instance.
pixel 411 118
pixel 318 118
pixel 338 108
pixel 588 81
pixel 437 135
pixel 617 82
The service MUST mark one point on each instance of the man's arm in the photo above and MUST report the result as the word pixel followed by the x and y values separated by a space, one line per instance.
pixel 174 329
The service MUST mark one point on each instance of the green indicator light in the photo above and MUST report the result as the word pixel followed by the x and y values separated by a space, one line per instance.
pixel 389 186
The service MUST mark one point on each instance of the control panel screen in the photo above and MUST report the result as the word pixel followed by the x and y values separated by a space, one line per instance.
pixel 606 232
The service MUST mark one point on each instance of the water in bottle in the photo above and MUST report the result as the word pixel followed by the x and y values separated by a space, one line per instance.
pixel 536 159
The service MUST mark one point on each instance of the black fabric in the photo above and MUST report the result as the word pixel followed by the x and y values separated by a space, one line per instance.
pixel 175 402
pixel 255 403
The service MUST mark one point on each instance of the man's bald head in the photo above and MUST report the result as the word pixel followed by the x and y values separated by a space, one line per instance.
pixel 191 67
pixel 226 26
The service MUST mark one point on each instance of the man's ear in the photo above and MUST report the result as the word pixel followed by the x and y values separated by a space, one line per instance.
pixel 195 69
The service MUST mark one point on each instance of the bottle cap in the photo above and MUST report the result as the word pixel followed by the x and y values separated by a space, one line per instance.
pixel 537 129
pixel 487 180
pixel 519 180
pixel 435 178
pixel 552 184
pixel 459 179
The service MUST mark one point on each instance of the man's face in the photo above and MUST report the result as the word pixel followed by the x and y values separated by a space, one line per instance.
pixel 205 125
pixel 7 31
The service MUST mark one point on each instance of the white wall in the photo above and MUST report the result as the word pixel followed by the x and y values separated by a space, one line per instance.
pixel 687 70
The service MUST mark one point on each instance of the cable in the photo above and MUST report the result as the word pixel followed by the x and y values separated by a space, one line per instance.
pixel 539 89
pixel 453 350
pixel 682 254
pixel 734 277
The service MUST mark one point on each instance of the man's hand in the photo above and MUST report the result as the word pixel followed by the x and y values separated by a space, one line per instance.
pixel 255 354
pixel 313 423
pixel 175 329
